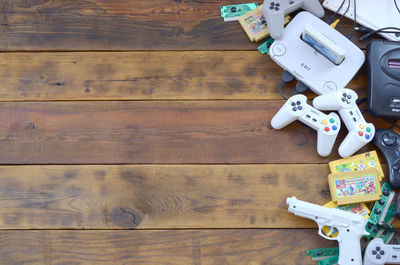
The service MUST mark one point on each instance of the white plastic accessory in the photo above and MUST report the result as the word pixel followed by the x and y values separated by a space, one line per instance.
pixel 360 132
pixel 351 227
pixel 275 10
pixel 327 126
pixel 309 66
pixel 378 253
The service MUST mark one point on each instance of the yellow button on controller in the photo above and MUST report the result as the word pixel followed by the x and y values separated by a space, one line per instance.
pixel 362 126
pixel 324 122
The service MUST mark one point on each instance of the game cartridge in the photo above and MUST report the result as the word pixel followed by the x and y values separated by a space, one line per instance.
pixel 233 12
pixel 355 187
pixel 255 25
pixel 357 162
pixel 323 44
pixel 357 208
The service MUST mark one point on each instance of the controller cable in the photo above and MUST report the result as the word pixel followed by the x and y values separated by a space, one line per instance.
pixel 360 101
pixel 355 19
pixel 369 32
pixel 334 24
pixel 397 7
pixel 329 21
pixel 287 78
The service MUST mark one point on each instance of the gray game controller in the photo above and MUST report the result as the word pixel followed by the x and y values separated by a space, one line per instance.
pixel 275 10
pixel 378 253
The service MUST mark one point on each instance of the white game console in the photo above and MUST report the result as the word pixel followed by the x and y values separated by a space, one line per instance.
pixel 327 126
pixel 275 10
pixel 378 253
pixel 360 132
pixel 309 65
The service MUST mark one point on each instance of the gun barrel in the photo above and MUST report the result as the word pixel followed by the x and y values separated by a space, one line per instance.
pixel 310 211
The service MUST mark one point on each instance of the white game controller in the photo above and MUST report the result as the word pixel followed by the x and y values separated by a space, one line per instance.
pixel 360 132
pixel 327 126
pixel 377 253
pixel 275 10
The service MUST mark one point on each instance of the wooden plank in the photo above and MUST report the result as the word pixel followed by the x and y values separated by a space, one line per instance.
pixel 137 132
pixel 140 76
pixel 159 196
pixel 123 25
pixel 248 247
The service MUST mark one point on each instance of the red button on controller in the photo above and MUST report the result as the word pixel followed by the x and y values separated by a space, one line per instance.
pixel 360 133
pixel 326 129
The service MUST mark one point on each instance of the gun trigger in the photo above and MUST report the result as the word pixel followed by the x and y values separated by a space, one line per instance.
pixel 323 235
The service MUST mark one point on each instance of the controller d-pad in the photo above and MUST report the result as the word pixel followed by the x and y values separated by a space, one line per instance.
pixel 293 104
pixel 298 102
pixel 378 248
pixel 274 5
pixel 291 2
pixel 294 108
pixel 299 107
pixel 378 256
pixel 382 252
pixel 374 252
pixel 389 139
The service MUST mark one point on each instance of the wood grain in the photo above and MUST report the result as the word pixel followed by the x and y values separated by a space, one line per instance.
pixel 123 25
pixel 140 76
pixel 157 197
pixel 206 247
pixel 137 132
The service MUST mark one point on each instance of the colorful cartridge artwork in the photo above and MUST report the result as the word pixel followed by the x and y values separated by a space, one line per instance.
pixel 368 162
pixel 256 22
pixel 354 208
pixel 359 185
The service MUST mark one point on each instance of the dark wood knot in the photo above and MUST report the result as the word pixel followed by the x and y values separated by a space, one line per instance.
pixel 125 217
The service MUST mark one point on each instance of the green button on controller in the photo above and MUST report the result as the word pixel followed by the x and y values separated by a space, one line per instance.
pixel 368 129
pixel 331 120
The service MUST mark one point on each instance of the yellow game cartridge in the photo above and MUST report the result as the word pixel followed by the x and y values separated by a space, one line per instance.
pixel 255 25
pixel 355 187
pixel 357 162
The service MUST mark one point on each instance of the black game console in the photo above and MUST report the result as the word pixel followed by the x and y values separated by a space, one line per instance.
pixel 389 143
pixel 383 78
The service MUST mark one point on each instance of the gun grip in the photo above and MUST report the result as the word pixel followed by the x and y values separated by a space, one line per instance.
pixel 349 247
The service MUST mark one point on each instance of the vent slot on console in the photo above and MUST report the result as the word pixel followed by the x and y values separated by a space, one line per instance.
pixel 394 63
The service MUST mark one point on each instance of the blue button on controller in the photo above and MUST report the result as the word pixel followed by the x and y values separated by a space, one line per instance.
pixel 367 136
pixel 334 127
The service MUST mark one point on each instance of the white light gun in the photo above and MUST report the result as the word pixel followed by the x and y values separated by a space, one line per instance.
pixel 351 227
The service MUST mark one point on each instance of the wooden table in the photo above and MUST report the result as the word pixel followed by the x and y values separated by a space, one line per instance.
pixel 138 132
